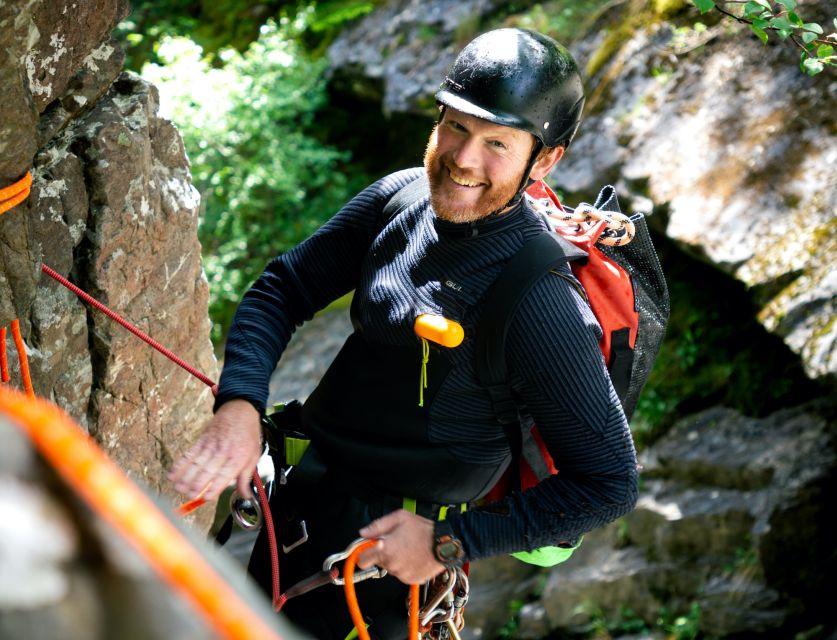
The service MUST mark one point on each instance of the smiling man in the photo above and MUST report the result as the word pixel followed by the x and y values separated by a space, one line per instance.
pixel 393 425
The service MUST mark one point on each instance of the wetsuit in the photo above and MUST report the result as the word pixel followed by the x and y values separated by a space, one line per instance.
pixel 365 419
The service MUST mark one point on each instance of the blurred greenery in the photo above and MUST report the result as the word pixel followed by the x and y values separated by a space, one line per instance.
pixel 267 180
pixel 217 25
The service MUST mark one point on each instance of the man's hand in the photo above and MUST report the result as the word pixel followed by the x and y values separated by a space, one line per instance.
pixel 227 450
pixel 405 548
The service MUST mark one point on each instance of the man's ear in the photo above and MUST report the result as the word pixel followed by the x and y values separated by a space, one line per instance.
pixel 546 160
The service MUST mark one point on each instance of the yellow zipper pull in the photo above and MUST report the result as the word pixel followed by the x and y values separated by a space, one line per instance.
pixel 440 330
pixel 425 356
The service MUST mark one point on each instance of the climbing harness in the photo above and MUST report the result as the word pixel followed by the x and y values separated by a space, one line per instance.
pixel 108 491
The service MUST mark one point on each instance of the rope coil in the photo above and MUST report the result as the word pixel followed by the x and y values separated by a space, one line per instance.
pixel 16 193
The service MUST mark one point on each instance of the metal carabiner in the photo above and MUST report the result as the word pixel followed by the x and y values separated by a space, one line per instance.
pixel 431 610
pixel 360 576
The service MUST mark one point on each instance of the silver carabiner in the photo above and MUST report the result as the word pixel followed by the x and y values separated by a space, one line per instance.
pixel 246 512
pixel 360 576
pixel 432 610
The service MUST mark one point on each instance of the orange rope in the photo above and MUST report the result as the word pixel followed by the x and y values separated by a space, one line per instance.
pixel 122 504
pixel 16 193
pixel 21 185
pixel 351 595
pixel 4 363
pixel 21 356
pixel 414 613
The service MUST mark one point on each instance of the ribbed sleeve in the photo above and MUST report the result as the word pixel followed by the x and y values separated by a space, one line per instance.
pixel 295 286
pixel 559 373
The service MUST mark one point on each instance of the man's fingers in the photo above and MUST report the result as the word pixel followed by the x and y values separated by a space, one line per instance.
pixel 372 556
pixel 382 526
pixel 243 484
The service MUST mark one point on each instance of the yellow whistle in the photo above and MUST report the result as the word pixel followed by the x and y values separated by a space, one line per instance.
pixel 439 330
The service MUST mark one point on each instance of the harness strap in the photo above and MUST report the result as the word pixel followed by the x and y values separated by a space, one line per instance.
pixel 536 258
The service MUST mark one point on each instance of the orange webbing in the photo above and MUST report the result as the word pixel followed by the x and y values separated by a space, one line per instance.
pixel 4 364
pixel 122 504
pixel 14 194
pixel 21 356
pixel 351 596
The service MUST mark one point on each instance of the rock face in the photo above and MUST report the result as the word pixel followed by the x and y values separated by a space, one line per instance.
pixel 726 530
pixel 113 208
pixel 725 142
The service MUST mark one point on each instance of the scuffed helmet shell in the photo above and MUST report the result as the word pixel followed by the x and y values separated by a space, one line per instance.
pixel 520 79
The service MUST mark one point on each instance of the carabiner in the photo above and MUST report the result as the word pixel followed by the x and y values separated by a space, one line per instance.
pixel 360 576
pixel 431 611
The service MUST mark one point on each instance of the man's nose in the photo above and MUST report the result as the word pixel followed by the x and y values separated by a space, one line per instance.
pixel 466 156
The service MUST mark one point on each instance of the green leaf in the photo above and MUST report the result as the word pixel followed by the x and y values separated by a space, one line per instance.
pixel 761 33
pixel 812 66
pixel 808 36
pixel 784 34
pixel 753 9
pixel 761 24
pixel 795 19
pixel 704 5
pixel 780 23
pixel 813 26
pixel 787 4
pixel 825 51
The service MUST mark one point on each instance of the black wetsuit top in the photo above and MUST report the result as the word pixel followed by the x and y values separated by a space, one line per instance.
pixel 417 263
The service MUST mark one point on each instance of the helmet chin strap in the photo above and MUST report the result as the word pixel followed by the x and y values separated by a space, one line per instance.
pixel 525 181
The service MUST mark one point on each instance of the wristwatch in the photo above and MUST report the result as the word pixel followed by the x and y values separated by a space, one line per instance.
pixel 446 546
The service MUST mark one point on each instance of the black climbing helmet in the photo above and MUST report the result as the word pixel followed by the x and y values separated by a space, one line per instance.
pixel 518 78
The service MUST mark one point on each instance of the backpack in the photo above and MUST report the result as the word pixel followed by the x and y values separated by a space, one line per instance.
pixel 622 281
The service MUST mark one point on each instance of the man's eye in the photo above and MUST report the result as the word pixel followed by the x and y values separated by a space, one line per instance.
pixel 455 125
pixel 497 144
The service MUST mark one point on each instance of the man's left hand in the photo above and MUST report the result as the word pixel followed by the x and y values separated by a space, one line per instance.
pixel 404 549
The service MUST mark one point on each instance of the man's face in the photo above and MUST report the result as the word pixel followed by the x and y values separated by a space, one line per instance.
pixel 474 166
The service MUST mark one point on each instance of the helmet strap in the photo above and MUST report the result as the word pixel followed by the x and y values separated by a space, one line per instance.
pixel 524 180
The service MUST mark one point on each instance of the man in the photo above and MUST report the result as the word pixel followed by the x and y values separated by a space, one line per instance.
pixel 508 109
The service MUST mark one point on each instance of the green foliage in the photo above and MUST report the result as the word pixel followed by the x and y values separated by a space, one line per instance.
pixel 817 50
pixel 685 627
pixel 216 25
pixel 562 20
pixel 265 179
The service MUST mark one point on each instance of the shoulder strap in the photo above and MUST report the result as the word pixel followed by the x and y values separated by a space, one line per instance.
pixel 407 195
pixel 540 254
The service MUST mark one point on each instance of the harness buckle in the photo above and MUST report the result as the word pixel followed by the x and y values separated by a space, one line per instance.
pixel 303 538
pixel 360 576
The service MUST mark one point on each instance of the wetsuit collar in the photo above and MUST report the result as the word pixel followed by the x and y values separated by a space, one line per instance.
pixel 491 224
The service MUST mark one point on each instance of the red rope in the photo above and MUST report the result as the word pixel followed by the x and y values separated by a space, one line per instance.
pixel 278 601
pixel 116 318
pixel 4 363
